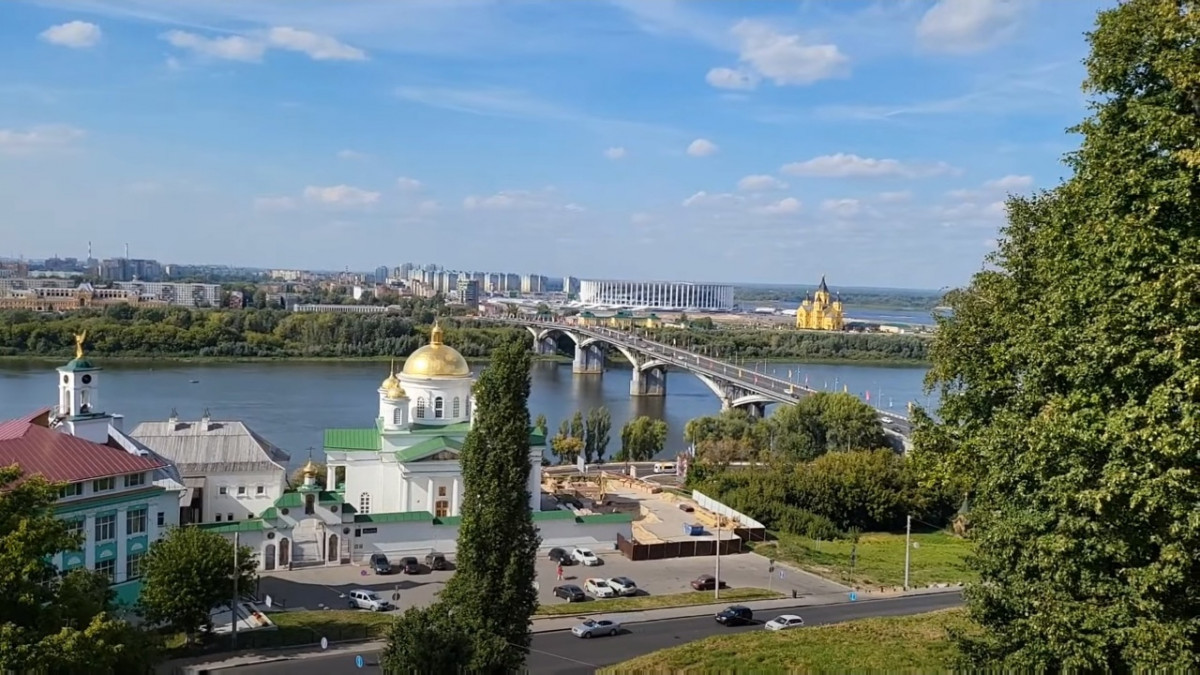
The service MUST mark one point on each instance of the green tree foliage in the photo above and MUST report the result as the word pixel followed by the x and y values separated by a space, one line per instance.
pixel 598 430
pixel 578 430
pixel 566 448
pixel 1069 374
pixel 491 594
pixel 426 640
pixel 754 344
pixel 861 298
pixel 188 573
pixel 49 623
pixel 642 439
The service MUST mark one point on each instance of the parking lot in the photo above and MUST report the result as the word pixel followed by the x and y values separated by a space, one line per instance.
pixel 320 587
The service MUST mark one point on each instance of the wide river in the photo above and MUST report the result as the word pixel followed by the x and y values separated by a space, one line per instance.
pixel 291 403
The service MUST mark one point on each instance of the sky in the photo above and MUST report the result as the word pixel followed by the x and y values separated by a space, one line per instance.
pixel 737 141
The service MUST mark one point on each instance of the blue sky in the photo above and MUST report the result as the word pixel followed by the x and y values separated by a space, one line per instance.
pixel 727 141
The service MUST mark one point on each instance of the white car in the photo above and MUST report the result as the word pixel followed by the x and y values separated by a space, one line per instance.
pixel 783 622
pixel 599 588
pixel 593 627
pixel 360 598
pixel 623 585
pixel 585 557
pixel 885 420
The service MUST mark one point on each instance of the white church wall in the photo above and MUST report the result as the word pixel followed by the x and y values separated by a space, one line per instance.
pixel 242 496
pixel 379 481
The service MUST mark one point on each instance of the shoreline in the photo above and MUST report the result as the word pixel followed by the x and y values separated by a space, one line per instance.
pixel 207 360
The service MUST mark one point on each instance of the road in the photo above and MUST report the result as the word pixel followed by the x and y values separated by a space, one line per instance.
pixel 560 653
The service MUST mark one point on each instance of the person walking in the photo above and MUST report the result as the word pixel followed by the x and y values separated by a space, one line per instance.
pixel 560 572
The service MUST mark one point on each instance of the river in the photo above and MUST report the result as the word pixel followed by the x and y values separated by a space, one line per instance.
pixel 291 403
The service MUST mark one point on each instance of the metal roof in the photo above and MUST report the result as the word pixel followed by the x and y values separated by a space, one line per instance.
pixel 62 457
pixel 211 446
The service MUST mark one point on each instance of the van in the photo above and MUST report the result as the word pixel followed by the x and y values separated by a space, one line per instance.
pixel 360 598
pixel 664 467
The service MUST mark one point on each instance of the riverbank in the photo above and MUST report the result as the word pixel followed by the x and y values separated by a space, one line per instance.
pixel 59 359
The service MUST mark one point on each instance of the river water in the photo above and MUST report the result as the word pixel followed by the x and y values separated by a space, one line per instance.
pixel 291 403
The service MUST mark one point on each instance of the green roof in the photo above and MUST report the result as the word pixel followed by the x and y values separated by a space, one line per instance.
pixel 427 447
pixel 270 513
pixel 558 514
pixel 352 439
pixel 292 499
pixel 78 364
pixel 536 437
pixel 448 520
pixel 457 428
pixel 601 518
pixel 396 517
pixel 256 525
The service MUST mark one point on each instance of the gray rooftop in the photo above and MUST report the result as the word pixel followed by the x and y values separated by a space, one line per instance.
pixel 211 446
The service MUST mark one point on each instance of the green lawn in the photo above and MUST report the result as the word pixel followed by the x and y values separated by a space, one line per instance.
pixel 908 644
pixel 936 558
pixel 643 602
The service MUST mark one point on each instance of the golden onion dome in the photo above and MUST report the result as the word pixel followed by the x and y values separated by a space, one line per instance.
pixel 310 469
pixel 395 392
pixel 390 381
pixel 436 359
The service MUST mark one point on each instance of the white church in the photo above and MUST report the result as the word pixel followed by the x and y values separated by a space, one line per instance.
pixel 396 487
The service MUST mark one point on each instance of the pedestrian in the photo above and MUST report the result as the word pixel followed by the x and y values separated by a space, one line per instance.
pixel 560 574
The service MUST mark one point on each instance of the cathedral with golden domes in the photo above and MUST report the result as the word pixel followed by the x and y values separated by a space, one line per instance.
pixel 821 311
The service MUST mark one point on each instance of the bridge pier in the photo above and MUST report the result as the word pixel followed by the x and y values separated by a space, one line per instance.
pixel 757 410
pixel 545 346
pixel 589 359
pixel 649 382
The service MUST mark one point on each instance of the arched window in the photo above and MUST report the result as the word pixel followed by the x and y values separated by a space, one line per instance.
pixel 437 408
pixel 421 407
pixel 398 416
pixel 364 502
pixel 454 409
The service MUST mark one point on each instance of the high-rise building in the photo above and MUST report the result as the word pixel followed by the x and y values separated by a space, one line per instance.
pixel 468 292
pixel 381 274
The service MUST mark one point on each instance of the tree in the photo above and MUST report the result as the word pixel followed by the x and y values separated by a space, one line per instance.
pixel 566 448
pixel 1068 374
pixel 541 424
pixel 297 477
pixel 642 439
pixel 595 442
pixel 426 640
pixel 577 427
pixel 189 572
pixel 50 623
pixel 823 422
pixel 491 594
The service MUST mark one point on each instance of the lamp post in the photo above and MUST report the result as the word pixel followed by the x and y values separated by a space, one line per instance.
pixel 717 575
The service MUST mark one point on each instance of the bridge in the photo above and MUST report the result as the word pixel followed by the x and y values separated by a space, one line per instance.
pixel 736 387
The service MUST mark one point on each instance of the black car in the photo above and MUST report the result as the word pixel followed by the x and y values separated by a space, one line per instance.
pixel 410 565
pixel 436 561
pixel 736 615
pixel 380 564
pixel 570 593
pixel 561 557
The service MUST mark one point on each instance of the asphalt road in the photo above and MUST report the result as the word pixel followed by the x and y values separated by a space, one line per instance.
pixel 560 653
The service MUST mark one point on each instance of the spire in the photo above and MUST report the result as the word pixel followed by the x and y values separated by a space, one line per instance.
pixel 435 335
pixel 823 287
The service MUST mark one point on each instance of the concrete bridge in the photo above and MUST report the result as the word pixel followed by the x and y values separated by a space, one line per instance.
pixel 736 387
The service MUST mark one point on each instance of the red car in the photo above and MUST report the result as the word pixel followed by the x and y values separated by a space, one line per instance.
pixel 706 582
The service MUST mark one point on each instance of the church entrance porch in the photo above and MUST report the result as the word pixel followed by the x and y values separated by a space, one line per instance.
pixel 308 543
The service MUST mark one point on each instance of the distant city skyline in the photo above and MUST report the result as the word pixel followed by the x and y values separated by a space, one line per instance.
pixel 747 141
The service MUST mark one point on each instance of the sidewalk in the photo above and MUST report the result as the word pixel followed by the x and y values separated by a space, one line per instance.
pixel 544 625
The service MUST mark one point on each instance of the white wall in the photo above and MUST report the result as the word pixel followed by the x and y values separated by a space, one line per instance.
pixel 706 502
pixel 249 505
pixel 369 472
pixel 419 538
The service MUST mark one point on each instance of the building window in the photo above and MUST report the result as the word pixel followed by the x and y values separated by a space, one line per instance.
pixel 259 490
pixel 218 517
pixel 106 527
pixel 108 568
pixel 241 490
pixel 162 518
pixel 441 490
pixel 454 408
pixel 72 490
pixel 230 515
pixel 364 502
pixel 437 408
pixel 442 509
pixel 222 490
pixel 135 479
pixel 135 521
pixel 133 566
pixel 75 529
pixel 398 416
pixel 420 407
pixel 104 484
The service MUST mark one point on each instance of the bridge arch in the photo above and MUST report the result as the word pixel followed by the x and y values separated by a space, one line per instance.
pixel 539 335
pixel 628 353
pixel 751 399
pixel 653 363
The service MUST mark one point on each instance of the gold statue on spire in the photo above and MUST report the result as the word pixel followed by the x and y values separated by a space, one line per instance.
pixel 435 335
pixel 79 338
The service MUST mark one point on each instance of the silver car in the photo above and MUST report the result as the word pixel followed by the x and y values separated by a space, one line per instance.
pixel 594 627
pixel 361 598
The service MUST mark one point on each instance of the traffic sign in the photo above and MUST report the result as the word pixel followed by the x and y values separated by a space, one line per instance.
pixel 324 644
pixel 780 574
pixel 853 596
pixel 358 661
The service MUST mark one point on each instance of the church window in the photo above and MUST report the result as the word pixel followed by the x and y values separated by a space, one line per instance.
pixel 454 408
pixel 364 502
pixel 441 509
pixel 441 490
pixel 437 408
pixel 421 407
pixel 398 416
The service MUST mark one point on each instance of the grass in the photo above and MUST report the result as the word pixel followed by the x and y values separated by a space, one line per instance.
pixel 913 644
pixel 937 557
pixel 643 602
pixel 335 624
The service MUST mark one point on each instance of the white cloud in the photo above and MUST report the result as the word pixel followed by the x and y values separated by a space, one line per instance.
pixel 703 198
pixel 701 147
pixel 574 208
pixel 615 153
pixel 784 59
pixel 74 34
pixel 274 204
pixel 38 137
pixel 340 195
pixel 843 208
pixel 785 206
pixel 761 183
pixel 1010 183
pixel 351 154
pixel 843 165
pixel 232 48
pixel 406 184
pixel 965 26
pixel 318 47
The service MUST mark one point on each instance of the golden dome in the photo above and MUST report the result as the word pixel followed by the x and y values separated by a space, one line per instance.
pixel 310 469
pixel 436 359
pixel 391 380
pixel 395 391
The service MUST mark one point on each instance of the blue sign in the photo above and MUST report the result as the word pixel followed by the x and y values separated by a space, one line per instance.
pixel 853 596
pixel 358 661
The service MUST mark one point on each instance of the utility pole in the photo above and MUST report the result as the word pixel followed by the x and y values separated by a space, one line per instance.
pixel 717 576
pixel 907 549
pixel 233 605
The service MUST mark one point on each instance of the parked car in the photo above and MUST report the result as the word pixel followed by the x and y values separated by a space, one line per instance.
pixel 599 588
pixel 436 561
pixel 380 564
pixel 360 598
pixel 593 627
pixel 410 565
pixel 686 508
pixel 706 582
pixel 784 622
pixel 736 615
pixel 586 557
pixel 570 593
pixel 561 557
pixel 623 585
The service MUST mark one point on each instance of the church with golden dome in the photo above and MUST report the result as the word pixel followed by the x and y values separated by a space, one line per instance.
pixel 820 311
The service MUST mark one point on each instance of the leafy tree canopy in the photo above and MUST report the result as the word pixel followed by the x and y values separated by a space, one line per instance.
pixel 642 439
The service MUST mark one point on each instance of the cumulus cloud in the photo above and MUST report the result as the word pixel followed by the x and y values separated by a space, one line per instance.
pixel 317 47
pixel 785 206
pixel 767 54
pixel 231 48
pixel 38 137
pixel 895 197
pixel 843 165
pixel 340 195
pixel 842 208
pixel 761 183
pixel 405 184
pixel 701 147
pixel 703 198
pixel 615 153
pixel 251 49
pixel 965 26
pixel 73 34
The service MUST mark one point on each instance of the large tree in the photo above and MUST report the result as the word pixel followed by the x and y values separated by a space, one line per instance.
pixel 426 640
pixel 491 596
pixel 599 428
pixel 1070 377
pixel 642 439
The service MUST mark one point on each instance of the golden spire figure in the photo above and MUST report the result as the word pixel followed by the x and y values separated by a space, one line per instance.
pixel 435 335
pixel 79 338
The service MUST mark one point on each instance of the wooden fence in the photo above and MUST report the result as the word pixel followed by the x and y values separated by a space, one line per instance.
pixel 687 548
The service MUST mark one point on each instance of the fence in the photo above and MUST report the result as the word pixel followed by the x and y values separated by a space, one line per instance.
pixel 676 549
